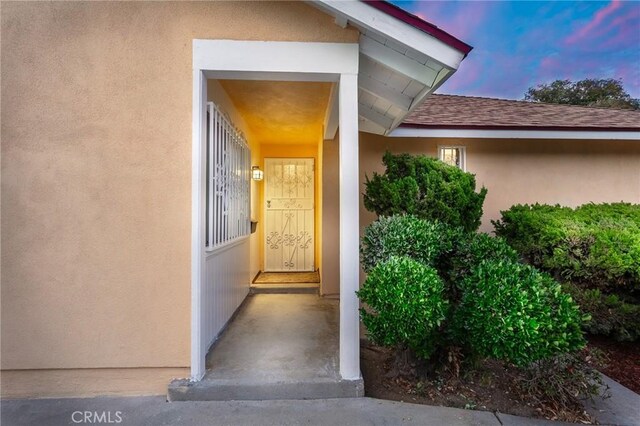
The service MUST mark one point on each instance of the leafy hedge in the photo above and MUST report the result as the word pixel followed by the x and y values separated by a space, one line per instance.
pixel 406 305
pixel 482 298
pixel 610 315
pixel 404 235
pixel 512 312
pixel 427 188
pixel 596 245
pixel 474 248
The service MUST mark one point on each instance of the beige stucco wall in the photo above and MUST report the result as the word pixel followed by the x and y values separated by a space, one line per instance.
pixel 330 271
pixel 567 172
pixel 96 174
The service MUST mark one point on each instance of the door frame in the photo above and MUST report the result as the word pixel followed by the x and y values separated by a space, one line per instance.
pixel 264 211
pixel 283 61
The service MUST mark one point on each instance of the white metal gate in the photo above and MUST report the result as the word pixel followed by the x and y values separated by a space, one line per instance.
pixel 289 212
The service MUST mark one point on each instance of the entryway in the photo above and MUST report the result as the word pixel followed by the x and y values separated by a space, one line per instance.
pixel 289 214
pixel 279 346
pixel 286 282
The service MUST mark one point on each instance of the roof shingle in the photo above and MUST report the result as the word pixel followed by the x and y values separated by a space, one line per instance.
pixel 465 112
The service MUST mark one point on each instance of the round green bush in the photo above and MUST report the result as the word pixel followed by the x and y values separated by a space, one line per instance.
pixel 513 312
pixel 427 188
pixel 405 305
pixel 402 235
pixel 472 249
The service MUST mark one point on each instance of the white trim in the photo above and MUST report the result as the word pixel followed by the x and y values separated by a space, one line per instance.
pixel 397 61
pixel 416 132
pixel 259 57
pixel 197 219
pixel 374 116
pixel 365 16
pixel 227 245
pixel 290 61
pixel 331 114
pixel 349 228
pixel 376 88
pixel 463 154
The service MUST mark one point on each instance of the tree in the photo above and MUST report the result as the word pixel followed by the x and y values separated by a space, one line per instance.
pixel 604 93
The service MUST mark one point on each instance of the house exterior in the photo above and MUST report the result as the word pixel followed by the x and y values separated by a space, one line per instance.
pixel 523 152
pixel 129 134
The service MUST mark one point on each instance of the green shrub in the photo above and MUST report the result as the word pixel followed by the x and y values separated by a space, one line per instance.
pixel 472 249
pixel 610 316
pixel 402 235
pixel 405 305
pixel 427 188
pixel 512 312
pixel 597 246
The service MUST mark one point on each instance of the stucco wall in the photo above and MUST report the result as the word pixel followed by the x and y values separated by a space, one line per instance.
pixel 330 271
pixel 96 173
pixel 567 172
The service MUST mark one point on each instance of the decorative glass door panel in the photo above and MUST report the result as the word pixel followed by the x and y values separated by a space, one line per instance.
pixel 289 213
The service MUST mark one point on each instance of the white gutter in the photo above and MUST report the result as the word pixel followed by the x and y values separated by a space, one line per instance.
pixel 416 132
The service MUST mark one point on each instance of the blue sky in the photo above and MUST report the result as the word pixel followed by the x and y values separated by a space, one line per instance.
pixel 518 44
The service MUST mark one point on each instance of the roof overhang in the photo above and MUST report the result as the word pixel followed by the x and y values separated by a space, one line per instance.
pixel 515 133
pixel 403 59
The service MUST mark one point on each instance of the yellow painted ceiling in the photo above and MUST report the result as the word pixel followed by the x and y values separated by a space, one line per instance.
pixel 281 112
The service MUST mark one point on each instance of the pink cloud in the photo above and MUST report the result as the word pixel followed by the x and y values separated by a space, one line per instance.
pixel 468 74
pixel 592 25
pixel 627 30
pixel 454 17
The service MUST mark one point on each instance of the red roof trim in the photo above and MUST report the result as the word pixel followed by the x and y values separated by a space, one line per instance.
pixel 494 127
pixel 421 24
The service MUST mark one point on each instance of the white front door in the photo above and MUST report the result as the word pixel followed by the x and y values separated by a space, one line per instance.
pixel 289 212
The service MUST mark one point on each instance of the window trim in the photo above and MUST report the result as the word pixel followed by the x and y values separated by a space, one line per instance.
pixel 463 154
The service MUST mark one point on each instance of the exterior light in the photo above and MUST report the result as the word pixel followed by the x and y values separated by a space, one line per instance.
pixel 256 173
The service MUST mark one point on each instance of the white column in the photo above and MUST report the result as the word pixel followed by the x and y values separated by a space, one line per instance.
pixel 198 186
pixel 349 227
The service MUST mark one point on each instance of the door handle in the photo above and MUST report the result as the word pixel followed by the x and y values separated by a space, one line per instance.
pixel 268 203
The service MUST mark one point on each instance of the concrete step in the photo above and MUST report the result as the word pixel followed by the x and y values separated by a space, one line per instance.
pixel 247 390
pixel 285 288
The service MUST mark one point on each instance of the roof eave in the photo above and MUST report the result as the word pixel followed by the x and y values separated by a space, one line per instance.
pixel 419 23
pixel 512 127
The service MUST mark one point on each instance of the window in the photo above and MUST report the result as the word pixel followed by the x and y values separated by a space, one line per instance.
pixel 454 156
pixel 227 188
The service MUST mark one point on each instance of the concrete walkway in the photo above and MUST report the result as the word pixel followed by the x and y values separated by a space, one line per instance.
pixel 622 409
pixel 155 411
pixel 279 346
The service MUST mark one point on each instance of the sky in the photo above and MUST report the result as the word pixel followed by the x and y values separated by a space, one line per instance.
pixel 519 44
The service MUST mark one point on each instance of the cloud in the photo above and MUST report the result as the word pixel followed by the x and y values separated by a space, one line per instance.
pixel 460 19
pixel 592 27
pixel 521 44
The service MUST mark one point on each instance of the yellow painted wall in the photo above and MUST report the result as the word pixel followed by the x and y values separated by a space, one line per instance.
pixel 96 178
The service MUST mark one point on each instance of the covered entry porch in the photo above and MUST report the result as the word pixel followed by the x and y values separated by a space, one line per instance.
pixel 278 346
pixel 373 86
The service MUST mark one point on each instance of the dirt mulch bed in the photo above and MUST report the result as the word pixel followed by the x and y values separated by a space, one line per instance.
pixel 623 360
pixel 490 387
